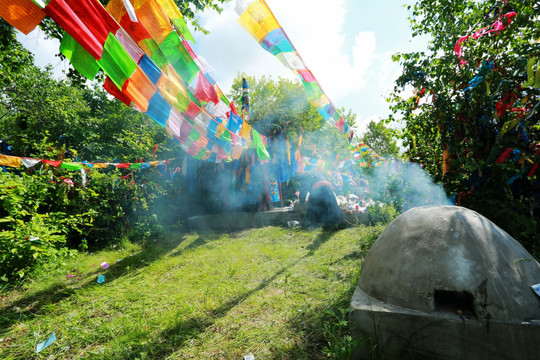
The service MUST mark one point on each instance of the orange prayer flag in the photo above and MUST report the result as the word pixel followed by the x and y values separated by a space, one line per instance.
pixel 139 89
pixel 24 15
pixel 153 18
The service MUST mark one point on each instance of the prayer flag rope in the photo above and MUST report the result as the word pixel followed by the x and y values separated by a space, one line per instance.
pixel 17 161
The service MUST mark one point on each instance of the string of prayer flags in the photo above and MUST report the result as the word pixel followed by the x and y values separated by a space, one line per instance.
pixel 16 161
pixel 259 21
pixel 173 71
pixel 141 47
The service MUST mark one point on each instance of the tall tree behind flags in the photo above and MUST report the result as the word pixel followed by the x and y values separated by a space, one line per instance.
pixel 259 21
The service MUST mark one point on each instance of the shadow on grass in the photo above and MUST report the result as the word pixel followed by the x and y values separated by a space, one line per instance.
pixel 177 335
pixel 203 239
pixel 32 304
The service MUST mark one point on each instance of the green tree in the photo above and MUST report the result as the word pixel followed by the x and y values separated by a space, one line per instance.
pixel 276 105
pixel 381 139
pixel 461 129
pixel 281 104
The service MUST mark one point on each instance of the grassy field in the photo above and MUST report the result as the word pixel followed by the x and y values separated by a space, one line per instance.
pixel 275 293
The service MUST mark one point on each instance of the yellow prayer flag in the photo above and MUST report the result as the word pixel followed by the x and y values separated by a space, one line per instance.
pixel 153 19
pixel 258 20
pixel 170 8
pixel 220 130
pixel 99 166
pixel 11 161
pixel 245 131
pixel 321 102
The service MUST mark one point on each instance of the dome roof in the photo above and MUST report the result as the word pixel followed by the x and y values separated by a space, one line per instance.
pixel 449 258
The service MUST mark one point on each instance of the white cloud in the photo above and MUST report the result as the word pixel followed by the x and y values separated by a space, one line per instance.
pixel 44 51
pixel 316 30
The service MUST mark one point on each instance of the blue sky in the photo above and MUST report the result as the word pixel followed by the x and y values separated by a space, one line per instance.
pixel 347 44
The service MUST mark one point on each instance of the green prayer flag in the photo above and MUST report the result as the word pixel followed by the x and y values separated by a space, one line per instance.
pixel 262 154
pixel 135 166
pixel 194 135
pixel 71 166
pixel 179 57
pixel 80 59
pixel 181 26
pixel 116 62
pixel 225 100
pixel 226 136
pixel 157 55
pixel 200 154
pixel 183 102
pixel 313 90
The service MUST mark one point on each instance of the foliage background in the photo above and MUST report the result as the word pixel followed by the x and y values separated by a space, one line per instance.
pixel 466 123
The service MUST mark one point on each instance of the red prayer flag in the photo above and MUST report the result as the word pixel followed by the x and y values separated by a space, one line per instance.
pixel 192 111
pixel 306 75
pixel 52 163
pixel 115 91
pixel 533 170
pixel 205 90
pixel 504 156
pixel 341 124
pixel 135 29
pixel 86 21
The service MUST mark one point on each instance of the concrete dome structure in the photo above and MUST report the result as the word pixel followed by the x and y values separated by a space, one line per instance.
pixel 450 266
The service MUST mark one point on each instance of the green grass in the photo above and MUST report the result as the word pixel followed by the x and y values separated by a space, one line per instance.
pixel 269 292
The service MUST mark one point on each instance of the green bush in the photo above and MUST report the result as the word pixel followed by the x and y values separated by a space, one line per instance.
pixel 381 213
pixel 29 244
pixel 32 231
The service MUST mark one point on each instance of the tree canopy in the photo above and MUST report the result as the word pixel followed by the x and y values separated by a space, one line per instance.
pixel 281 105
pixel 381 139
pixel 473 122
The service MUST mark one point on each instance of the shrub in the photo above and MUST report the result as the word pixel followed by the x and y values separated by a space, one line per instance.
pixel 381 213
pixel 31 231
